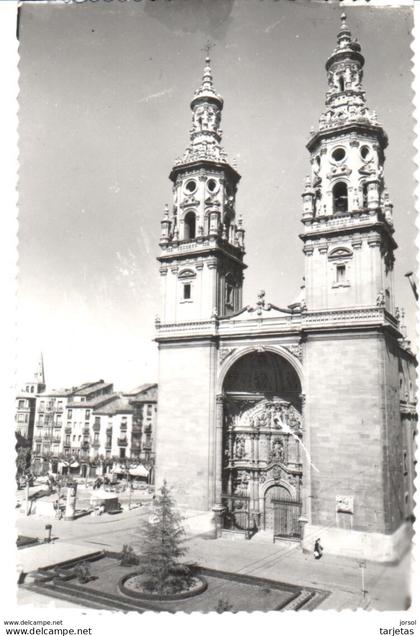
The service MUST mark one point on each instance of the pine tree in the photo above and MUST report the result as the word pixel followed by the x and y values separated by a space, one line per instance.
pixel 163 544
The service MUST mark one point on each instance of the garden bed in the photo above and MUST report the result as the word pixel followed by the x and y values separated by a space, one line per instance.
pixel 225 591
pixel 131 585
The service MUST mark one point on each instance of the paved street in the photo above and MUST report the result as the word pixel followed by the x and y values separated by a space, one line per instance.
pixel 386 585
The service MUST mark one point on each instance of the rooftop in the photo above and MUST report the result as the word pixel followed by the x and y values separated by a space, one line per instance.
pixel 91 387
pixel 93 402
pixel 138 390
pixel 119 405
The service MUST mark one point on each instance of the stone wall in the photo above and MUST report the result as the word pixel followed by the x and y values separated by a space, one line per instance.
pixel 355 442
pixel 185 423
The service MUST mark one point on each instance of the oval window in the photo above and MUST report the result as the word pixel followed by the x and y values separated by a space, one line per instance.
pixel 338 154
pixel 365 152
pixel 212 185
pixel 191 186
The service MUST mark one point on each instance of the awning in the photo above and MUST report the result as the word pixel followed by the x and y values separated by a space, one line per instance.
pixel 139 471
pixel 118 469
pixel 75 465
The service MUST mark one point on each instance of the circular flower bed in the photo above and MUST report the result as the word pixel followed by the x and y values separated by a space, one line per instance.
pixel 131 585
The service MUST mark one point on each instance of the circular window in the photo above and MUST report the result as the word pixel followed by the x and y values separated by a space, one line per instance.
pixel 212 185
pixel 365 152
pixel 191 186
pixel 338 154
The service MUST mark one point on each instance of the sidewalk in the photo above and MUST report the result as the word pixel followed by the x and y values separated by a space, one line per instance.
pixel 387 585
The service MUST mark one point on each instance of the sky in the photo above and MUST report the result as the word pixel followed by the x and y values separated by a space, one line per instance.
pixel 104 102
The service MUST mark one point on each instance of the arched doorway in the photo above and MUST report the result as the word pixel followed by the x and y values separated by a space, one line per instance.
pixel 281 512
pixel 262 430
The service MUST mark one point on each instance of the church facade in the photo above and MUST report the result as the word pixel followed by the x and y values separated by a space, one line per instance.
pixel 298 421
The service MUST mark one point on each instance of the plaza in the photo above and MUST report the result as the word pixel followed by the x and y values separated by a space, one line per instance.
pixel 386 585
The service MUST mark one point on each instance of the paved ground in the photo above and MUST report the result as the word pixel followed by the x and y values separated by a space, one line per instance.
pixel 387 586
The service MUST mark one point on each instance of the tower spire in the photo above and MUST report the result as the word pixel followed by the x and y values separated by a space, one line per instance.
pixel 347 182
pixel 39 376
pixel 205 133
pixel 201 241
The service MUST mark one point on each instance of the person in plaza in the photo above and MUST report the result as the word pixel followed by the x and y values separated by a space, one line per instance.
pixel 318 549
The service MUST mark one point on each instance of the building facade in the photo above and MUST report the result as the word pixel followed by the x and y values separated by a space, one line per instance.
pixel 298 421
pixel 90 431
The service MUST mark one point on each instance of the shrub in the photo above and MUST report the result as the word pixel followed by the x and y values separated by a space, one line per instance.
pixel 128 556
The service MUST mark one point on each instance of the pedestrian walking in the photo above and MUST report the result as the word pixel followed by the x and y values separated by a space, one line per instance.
pixel 318 549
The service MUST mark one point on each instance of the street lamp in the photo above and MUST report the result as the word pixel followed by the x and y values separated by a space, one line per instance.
pixel 48 529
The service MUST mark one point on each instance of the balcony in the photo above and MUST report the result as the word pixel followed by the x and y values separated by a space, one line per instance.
pixel 122 441
pixel 86 431
pixel 68 430
pixel 96 443
pixel 96 428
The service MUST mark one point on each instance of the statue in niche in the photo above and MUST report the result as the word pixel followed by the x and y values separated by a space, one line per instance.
pixel 380 299
pixel 277 421
pixel 294 418
pixel 348 75
pixel 277 450
pixel 241 483
pixel 240 447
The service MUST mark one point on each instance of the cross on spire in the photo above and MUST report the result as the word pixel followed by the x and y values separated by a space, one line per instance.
pixel 207 48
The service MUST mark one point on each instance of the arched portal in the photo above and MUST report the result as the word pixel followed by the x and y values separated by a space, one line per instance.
pixel 264 373
pixel 262 431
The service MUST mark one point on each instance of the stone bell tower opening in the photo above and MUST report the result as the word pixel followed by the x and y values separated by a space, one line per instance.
pixel 262 438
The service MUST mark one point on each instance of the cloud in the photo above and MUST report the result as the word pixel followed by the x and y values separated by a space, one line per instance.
pixel 155 95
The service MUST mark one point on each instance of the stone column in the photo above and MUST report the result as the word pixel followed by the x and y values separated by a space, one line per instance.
pixel 219 449
pixel 305 490
pixel 70 503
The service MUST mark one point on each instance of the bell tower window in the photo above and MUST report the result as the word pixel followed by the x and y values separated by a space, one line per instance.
pixel 189 226
pixel 229 292
pixel 341 83
pixel 340 197
pixel 365 195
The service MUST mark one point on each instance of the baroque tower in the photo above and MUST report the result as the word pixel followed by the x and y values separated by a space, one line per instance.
pixel 352 335
pixel 202 243
pixel 347 213
pixel 201 267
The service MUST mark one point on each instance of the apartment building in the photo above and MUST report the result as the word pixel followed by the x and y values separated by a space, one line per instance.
pixel 90 430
